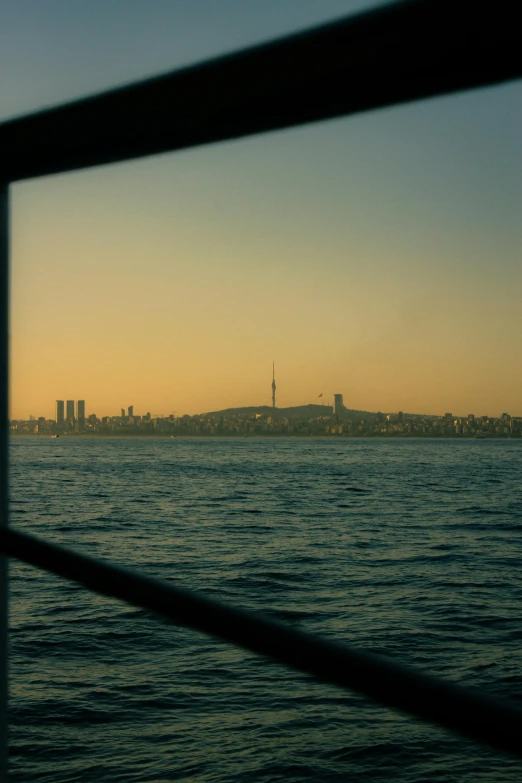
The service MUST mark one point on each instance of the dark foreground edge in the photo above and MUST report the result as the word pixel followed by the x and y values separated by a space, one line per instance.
pixel 390 55
pixel 474 715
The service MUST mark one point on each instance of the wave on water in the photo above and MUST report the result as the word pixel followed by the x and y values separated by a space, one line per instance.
pixel 411 549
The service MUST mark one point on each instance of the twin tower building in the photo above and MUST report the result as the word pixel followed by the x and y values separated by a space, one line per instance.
pixel 73 414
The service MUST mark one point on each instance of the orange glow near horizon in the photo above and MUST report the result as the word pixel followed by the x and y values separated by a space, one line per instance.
pixel 355 254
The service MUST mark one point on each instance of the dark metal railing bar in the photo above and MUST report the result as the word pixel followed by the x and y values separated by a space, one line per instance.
pixel 4 454
pixel 390 55
pixel 474 715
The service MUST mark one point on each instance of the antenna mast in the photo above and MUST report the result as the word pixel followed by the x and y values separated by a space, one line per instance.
pixel 273 385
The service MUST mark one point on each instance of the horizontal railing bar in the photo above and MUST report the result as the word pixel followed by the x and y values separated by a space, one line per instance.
pixel 397 53
pixel 474 715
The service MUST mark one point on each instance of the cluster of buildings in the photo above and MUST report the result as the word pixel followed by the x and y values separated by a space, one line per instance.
pixel 411 425
pixel 305 420
pixel 311 420
pixel 70 415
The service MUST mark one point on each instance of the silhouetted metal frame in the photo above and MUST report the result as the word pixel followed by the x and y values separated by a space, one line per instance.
pixel 4 462
pixel 397 53
pixel 401 52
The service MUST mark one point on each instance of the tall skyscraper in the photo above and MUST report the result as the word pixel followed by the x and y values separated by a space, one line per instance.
pixel 80 413
pixel 60 412
pixel 69 412
pixel 131 410
pixel 273 385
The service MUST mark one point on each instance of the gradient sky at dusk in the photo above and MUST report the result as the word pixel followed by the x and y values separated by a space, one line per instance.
pixel 377 256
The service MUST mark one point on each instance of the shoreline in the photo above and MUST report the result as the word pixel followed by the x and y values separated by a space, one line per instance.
pixel 257 436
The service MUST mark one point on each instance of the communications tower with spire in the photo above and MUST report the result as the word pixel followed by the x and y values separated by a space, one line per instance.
pixel 273 385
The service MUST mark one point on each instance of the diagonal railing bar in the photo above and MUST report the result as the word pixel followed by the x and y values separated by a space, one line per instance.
pixel 397 53
pixel 474 715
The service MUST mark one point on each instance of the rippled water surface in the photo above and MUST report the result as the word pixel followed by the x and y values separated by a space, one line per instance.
pixel 407 548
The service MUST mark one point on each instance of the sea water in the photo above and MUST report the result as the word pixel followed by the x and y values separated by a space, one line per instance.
pixel 408 548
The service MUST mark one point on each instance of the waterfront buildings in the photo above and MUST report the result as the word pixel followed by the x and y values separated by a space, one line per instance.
pixel 303 420
pixel 306 420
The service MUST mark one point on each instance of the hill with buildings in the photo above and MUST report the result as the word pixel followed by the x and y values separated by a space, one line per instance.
pixel 296 412
pixel 265 420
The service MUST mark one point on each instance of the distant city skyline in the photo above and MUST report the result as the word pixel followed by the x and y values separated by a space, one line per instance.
pixel 267 421
pixel 77 411
pixel 74 412
pixel 377 254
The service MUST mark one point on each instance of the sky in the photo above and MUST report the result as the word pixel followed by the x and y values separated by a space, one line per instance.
pixel 376 256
